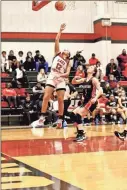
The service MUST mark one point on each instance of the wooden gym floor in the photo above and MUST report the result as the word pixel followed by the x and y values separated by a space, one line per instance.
pixel 48 161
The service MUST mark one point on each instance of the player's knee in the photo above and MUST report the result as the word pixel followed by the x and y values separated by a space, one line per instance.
pixel 78 119
pixel 73 117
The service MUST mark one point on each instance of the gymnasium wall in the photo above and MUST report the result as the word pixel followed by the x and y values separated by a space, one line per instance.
pixel 47 49
pixel 19 17
pixel 28 30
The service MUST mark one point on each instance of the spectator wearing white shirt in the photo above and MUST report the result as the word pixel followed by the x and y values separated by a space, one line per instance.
pixel 4 62
pixel 20 57
pixel 42 77
pixel 19 75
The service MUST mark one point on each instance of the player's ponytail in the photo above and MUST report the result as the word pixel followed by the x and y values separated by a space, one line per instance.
pixel 95 72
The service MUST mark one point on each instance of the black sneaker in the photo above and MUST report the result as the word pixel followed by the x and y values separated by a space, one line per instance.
pixel 122 136
pixel 80 137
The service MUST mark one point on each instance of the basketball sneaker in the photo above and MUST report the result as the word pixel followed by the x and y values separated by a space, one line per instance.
pixel 80 136
pixel 122 136
pixel 59 124
pixel 38 123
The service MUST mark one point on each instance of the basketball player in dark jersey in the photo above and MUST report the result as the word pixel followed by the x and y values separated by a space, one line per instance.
pixel 91 92
pixel 123 107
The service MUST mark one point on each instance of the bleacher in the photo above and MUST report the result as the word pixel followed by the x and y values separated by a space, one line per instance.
pixel 14 116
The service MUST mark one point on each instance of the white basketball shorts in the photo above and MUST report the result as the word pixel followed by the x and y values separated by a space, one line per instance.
pixel 56 82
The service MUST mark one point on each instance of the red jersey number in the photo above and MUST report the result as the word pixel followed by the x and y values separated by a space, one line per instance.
pixel 58 66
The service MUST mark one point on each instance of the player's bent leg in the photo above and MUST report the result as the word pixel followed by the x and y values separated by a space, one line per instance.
pixel 47 95
pixel 80 131
pixel 82 112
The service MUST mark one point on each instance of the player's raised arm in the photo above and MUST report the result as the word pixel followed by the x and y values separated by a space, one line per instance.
pixel 57 48
pixel 98 88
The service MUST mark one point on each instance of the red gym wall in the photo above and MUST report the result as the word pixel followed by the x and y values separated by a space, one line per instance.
pixel 117 32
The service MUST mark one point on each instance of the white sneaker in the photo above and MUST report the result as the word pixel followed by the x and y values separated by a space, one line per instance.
pixel 38 123
pixel 59 123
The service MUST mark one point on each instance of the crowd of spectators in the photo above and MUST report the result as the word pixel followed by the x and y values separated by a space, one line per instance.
pixel 29 62
pixel 110 108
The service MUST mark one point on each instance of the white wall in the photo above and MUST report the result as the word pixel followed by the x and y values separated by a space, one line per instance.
pixel 116 49
pixel 18 16
pixel 110 9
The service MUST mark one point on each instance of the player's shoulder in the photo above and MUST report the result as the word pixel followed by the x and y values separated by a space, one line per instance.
pixel 94 79
pixel 56 55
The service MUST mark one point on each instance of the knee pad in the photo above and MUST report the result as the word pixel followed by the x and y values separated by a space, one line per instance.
pixel 73 117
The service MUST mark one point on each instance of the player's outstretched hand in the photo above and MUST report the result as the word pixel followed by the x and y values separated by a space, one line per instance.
pixel 62 27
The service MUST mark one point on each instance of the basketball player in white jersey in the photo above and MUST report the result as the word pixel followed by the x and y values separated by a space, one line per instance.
pixel 60 69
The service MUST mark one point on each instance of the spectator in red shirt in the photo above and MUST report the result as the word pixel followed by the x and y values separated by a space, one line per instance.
pixel 80 72
pixel 21 94
pixel 9 95
pixel 101 108
pixel 93 60
pixel 122 60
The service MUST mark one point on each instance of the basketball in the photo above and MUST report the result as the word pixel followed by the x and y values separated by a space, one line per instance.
pixel 60 5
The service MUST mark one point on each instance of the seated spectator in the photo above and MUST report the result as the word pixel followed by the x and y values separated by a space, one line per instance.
pixel 93 60
pixel 54 103
pixel 30 113
pixel 123 106
pixel 118 90
pixel 112 107
pixel 11 56
pixel 122 60
pixel 12 61
pixel 101 108
pixel 107 89
pixel 99 74
pixel 51 114
pixel 4 62
pixel 19 75
pixel 70 93
pixel 112 82
pixel 111 69
pixel 21 94
pixel 78 59
pixel 37 91
pixel 39 61
pixel 29 63
pixel 41 77
pixel 80 72
pixel 9 95
pixel 20 58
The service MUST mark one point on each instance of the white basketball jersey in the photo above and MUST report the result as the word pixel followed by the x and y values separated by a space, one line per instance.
pixel 59 65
